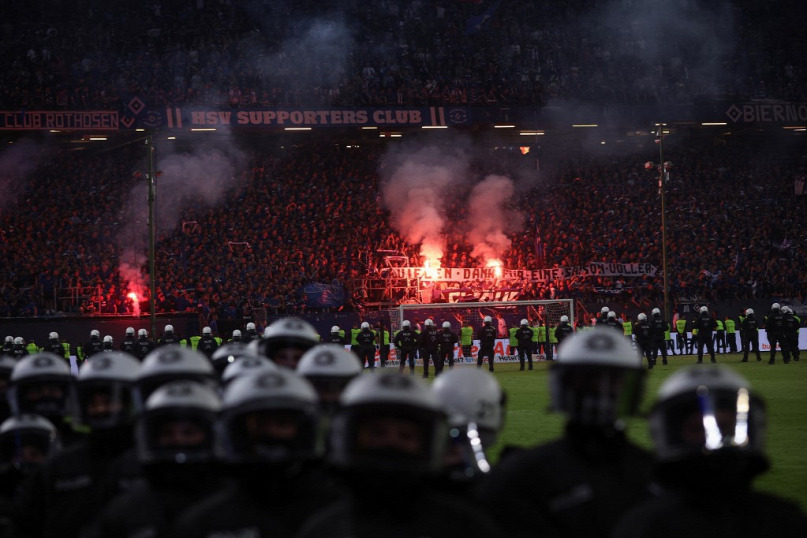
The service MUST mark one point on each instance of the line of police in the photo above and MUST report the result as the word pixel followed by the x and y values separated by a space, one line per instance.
pixel 284 437
pixel 710 334
pixel 438 346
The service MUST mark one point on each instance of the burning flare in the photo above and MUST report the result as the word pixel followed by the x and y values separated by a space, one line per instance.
pixel 497 267
pixel 430 267
pixel 135 303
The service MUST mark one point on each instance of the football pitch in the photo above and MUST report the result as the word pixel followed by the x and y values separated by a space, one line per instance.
pixel 782 386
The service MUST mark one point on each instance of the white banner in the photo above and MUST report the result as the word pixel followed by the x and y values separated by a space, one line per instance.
pixel 470 274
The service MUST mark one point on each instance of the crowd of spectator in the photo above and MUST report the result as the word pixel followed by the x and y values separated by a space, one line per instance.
pixel 87 54
pixel 313 213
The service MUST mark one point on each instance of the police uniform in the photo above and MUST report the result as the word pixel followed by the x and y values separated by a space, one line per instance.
pixel 406 343
pixel 207 345
pixel 775 327
pixel 705 326
pixel 563 330
pixel 524 337
pixel 644 338
pixel 365 348
pixel 429 344
pixel 448 339
pixel 487 341
pixel 658 326
pixel 129 345
pixel 574 486
pixel 143 347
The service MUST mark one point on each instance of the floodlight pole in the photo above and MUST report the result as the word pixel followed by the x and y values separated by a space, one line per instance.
pixel 151 196
pixel 663 177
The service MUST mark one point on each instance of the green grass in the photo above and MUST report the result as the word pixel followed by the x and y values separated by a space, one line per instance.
pixel 783 387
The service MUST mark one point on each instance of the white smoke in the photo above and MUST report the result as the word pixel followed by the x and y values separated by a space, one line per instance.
pixel 17 161
pixel 199 178
pixel 415 186
pixel 490 219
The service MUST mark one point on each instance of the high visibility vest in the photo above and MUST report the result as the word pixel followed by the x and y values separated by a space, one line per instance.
pixel 217 339
pixel 66 347
pixel 385 337
pixel 552 338
pixel 467 335
pixel 540 333
pixel 730 327
pixel 627 328
pixel 667 334
pixel 353 334
pixel 195 341
pixel 32 348
pixel 681 326
pixel 513 339
pixel 720 326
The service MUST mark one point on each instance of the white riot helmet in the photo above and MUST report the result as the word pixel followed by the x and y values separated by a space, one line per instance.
pixel 142 332
pixel 428 322
pixel 169 328
pixel 172 363
pixel 475 405
pixel 26 441
pixel 95 333
pixel 406 323
pixel 329 368
pixel 604 310
pixel 372 400
pixel 597 379
pixel 524 322
pixel 53 336
pixel 611 314
pixel 250 326
pixel 108 339
pixel 775 306
pixel 31 375
pixel 446 325
pixel 110 377
pixel 706 411
pixel 159 439
pixel 243 365
pixel 228 354
pixel 290 337
pixel 564 319
pixel 252 404
pixel 236 335
pixel 207 330
pixel 129 331
pixel 19 341
pixel 335 329
pixel 749 311
pixel 786 310
pixel 487 319
pixel 9 340
pixel 642 316
pixel 656 312
pixel 703 310
pixel 365 325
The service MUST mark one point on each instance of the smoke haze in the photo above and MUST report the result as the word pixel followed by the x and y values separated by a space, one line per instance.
pixel 16 163
pixel 419 183
pixel 197 178
pixel 490 219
